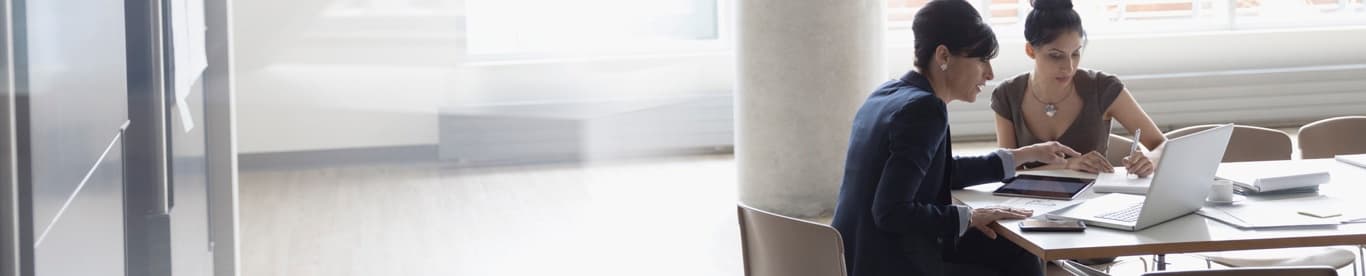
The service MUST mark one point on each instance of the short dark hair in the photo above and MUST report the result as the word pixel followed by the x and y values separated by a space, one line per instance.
pixel 1050 19
pixel 954 24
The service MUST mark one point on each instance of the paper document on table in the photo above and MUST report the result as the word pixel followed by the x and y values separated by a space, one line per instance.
pixel 1245 220
pixel 1060 173
pixel 1275 213
pixel 1121 182
pixel 1038 205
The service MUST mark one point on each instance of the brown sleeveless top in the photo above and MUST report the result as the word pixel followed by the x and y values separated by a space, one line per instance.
pixel 1089 132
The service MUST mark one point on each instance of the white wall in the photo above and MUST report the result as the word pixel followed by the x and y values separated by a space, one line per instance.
pixel 301 90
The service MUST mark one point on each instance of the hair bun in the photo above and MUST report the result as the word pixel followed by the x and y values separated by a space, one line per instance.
pixel 1052 5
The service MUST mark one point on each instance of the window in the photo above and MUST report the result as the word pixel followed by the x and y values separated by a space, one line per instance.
pixel 1265 13
pixel 1147 16
pixel 394 7
pixel 511 27
pixel 499 29
pixel 404 22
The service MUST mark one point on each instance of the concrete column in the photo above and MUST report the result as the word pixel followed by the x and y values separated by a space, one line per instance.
pixel 804 68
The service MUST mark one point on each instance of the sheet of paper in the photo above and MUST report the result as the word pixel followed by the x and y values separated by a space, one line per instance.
pixel 1277 213
pixel 1264 218
pixel 1038 205
pixel 189 53
pixel 186 119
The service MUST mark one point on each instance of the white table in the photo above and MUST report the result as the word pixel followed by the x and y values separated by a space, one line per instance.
pixel 1191 233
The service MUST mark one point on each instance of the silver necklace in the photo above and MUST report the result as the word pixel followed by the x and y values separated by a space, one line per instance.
pixel 1049 109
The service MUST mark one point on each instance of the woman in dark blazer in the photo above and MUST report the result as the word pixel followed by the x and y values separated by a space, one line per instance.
pixel 894 210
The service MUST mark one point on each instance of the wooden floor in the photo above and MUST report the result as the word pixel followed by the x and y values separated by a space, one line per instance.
pixel 657 217
pixel 644 217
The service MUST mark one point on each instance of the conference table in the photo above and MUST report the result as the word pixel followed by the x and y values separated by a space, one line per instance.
pixel 1346 193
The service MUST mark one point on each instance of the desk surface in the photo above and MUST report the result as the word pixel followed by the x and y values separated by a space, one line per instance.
pixel 1194 233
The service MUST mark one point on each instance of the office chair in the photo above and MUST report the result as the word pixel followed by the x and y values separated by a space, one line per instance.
pixel 1253 271
pixel 774 245
pixel 1077 269
pixel 1249 143
pixel 1328 137
pixel 1118 149
pixel 1333 136
pixel 777 245
pixel 1335 257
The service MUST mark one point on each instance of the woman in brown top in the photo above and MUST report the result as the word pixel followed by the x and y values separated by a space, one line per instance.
pixel 1060 102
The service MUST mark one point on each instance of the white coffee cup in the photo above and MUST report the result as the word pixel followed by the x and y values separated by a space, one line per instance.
pixel 1221 191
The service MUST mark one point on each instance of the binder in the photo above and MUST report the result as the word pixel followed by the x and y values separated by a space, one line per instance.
pixel 1358 160
pixel 1258 178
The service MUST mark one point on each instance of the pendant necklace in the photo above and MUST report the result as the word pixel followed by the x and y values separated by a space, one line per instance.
pixel 1049 109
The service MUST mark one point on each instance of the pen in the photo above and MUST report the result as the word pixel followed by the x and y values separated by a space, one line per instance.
pixel 1134 147
pixel 1319 215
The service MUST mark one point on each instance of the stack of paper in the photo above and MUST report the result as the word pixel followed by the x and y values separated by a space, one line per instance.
pixel 1258 178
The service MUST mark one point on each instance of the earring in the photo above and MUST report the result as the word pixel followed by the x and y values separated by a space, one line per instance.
pixel 943 67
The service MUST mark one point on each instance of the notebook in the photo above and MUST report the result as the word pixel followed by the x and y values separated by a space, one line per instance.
pixel 1358 160
pixel 1121 181
pixel 1257 177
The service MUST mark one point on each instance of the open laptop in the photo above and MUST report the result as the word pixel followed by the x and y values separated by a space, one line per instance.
pixel 1180 184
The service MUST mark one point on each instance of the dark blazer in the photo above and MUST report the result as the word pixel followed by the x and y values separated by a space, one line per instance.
pixel 894 208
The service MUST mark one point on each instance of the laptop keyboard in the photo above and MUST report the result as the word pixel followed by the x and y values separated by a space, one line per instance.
pixel 1129 214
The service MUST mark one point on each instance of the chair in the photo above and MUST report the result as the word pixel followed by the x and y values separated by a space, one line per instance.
pixel 1333 136
pixel 774 244
pixel 1118 149
pixel 1336 257
pixel 1328 137
pixel 1253 271
pixel 1249 143
pixel 1078 269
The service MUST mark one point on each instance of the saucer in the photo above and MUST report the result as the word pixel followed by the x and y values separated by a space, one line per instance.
pixel 1236 198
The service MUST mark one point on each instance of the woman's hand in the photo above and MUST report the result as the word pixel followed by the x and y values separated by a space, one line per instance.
pixel 1091 162
pixel 1046 152
pixel 981 217
pixel 1139 164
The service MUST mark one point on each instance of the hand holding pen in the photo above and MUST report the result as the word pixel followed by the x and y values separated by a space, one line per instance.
pixel 1137 163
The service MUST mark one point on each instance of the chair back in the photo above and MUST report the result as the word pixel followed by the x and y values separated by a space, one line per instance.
pixel 1249 143
pixel 1077 269
pixel 1253 271
pixel 1328 137
pixel 1118 149
pixel 774 245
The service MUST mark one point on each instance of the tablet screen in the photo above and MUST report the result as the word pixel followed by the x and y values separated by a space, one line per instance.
pixel 1044 186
